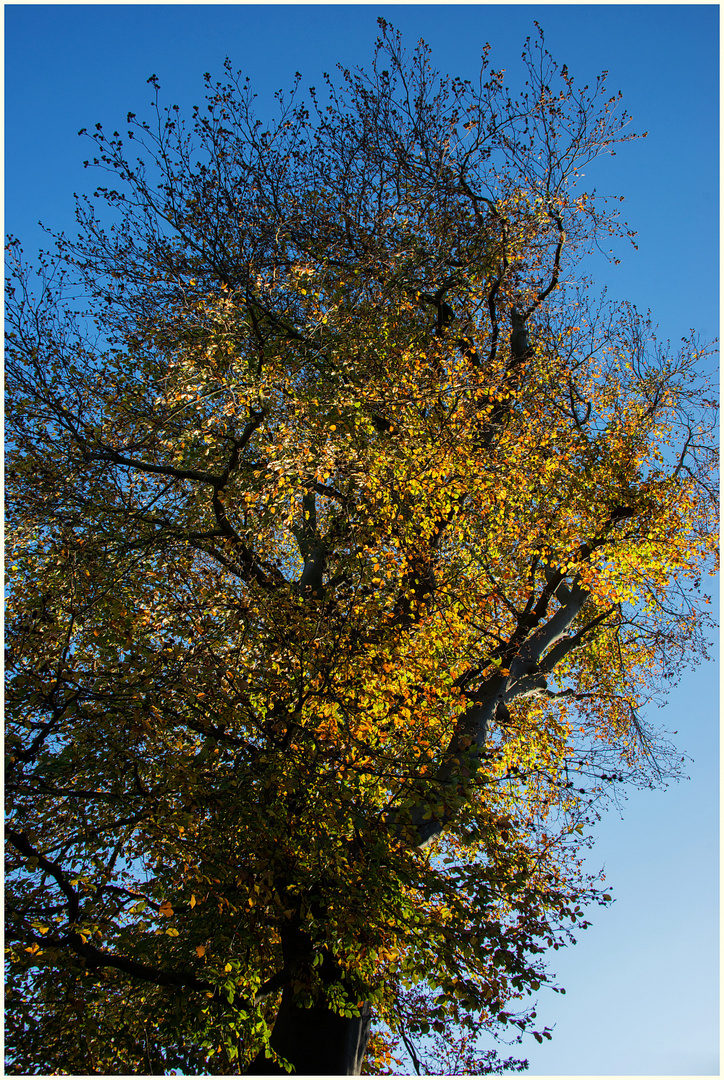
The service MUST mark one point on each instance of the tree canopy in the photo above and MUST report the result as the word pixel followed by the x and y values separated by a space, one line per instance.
pixel 349 535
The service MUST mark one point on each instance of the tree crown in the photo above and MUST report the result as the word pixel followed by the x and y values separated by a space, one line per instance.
pixel 349 538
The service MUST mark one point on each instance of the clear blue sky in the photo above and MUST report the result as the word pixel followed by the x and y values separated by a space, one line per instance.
pixel 642 984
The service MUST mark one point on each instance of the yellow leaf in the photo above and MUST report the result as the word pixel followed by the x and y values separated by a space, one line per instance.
pixel 165 908
pixel 192 901
pixel 200 951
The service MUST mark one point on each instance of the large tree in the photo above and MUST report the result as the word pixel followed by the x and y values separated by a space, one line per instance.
pixel 348 536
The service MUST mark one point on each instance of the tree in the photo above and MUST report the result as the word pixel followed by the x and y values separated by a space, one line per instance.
pixel 349 535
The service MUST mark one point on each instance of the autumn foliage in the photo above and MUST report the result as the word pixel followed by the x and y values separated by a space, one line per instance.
pixel 349 535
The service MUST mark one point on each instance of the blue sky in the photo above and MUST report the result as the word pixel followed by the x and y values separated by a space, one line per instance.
pixel 642 984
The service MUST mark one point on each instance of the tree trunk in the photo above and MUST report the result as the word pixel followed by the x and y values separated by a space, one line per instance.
pixel 316 1041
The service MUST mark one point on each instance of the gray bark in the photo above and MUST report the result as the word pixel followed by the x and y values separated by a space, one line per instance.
pixel 534 658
